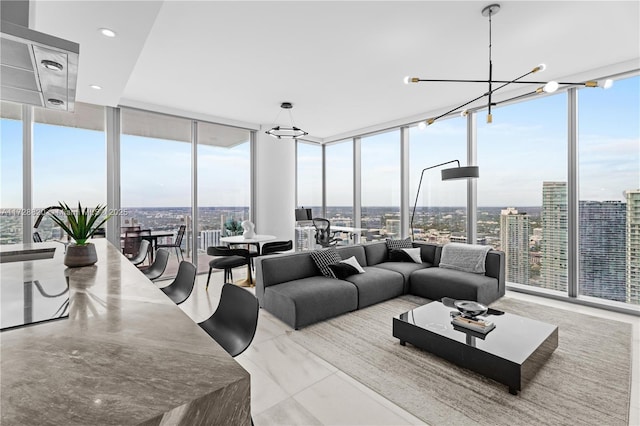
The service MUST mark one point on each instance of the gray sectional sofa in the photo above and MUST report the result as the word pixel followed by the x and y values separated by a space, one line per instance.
pixel 291 287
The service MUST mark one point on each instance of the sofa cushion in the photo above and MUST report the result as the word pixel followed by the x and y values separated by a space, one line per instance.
pixel 306 301
pixel 357 251
pixel 404 268
pixel 324 258
pixel 376 285
pixel 376 253
pixel 436 283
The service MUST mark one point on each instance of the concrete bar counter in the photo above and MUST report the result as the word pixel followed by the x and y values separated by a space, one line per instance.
pixel 126 354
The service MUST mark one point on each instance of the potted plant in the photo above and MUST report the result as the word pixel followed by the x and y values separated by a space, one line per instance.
pixel 233 227
pixel 80 227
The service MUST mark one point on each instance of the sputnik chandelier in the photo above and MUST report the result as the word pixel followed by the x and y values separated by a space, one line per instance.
pixel 281 132
pixel 495 85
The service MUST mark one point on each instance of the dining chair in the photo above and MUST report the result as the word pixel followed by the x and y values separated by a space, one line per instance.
pixel 182 286
pixel 324 236
pixel 226 259
pixel 276 247
pixel 143 251
pixel 36 237
pixel 156 269
pixel 177 243
pixel 233 325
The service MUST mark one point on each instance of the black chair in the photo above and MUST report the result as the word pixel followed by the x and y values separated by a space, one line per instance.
pixel 233 325
pixel 177 243
pixel 132 240
pixel 276 247
pixel 158 266
pixel 182 286
pixel 143 251
pixel 227 259
pixel 36 237
pixel 324 236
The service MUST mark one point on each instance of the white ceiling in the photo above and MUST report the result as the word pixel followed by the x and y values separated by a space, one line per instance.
pixel 340 63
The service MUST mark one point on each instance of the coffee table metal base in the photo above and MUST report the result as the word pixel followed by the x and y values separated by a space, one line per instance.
pixel 466 354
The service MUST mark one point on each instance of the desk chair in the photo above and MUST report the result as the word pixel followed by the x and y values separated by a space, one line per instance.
pixel 182 286
pixel 233 325
pixel 177 243
pixel 36 237
pixel 324 236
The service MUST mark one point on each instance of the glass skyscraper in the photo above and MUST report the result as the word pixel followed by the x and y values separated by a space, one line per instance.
pixel 602 263
pixel 553 272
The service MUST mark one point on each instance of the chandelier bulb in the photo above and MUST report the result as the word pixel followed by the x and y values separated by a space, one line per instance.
pixel 550 87
pixel 464 113
pixel 606 84
pixel 406 79
pixel 422 125
pixel 540 67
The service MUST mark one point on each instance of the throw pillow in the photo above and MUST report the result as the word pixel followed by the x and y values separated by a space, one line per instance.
pixel 399 255
pixel 324 258
pixel 405 255
pixel 353 262
pixel 342 270
pixel 399 244
pixel 414 254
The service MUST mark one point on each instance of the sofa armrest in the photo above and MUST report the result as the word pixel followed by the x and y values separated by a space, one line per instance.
pixel 495 268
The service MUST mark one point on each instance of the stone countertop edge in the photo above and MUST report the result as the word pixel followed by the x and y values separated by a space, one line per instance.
pixel 126 355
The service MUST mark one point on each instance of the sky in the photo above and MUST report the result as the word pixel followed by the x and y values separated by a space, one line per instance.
pixel 524 146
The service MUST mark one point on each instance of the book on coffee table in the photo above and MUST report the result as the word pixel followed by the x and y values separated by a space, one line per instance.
pixel 474 324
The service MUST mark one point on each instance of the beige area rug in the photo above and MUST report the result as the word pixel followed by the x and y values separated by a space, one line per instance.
pixel 586 381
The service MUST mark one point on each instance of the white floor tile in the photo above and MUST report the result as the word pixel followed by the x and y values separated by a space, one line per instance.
pixel 265 392
pixel 288 412
pixel 336 401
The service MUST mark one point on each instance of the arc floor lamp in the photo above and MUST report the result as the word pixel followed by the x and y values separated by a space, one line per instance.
pixel 453 173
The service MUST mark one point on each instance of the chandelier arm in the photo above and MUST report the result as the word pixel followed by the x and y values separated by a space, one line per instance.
pixel 458 107
pixel 515 97
pixel 495 81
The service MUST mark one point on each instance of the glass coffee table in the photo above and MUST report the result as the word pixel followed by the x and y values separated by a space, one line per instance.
pixel 511 353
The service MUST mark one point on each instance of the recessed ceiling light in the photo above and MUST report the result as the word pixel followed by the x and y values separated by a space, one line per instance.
pixel 95 86
pixel 107 32
pixel 52 65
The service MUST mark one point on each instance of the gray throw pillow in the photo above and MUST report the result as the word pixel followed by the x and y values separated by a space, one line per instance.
pixel 399 244
pixel 324 258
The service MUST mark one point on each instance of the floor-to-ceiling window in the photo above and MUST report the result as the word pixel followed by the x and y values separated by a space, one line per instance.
pixel 11 173
pixel 69 164
pixel 522 189
pixel 224 182
pixel 441 212
pixel 309 175
pixel 339 182
pixel 609 192
pixel 155 158
pixel 380 177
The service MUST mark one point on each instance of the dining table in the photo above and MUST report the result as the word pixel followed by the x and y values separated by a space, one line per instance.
pixel 249 281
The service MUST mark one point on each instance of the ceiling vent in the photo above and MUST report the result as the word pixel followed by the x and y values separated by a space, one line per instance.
pixel 37 69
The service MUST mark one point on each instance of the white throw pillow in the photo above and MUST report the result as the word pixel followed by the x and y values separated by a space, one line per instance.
pixel 353 262
pixel 414 253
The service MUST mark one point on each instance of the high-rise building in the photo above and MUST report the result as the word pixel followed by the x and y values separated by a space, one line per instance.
pixel 602 229
pixel 392 227
pixel 514 242
pixel 632 249
pixel 554 261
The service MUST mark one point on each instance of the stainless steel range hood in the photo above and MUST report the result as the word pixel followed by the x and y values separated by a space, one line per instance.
pixel 37 69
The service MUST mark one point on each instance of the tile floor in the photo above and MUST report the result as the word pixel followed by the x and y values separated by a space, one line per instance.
pixel 292 386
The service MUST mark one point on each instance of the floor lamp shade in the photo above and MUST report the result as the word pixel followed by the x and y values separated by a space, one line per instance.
pixel 460 173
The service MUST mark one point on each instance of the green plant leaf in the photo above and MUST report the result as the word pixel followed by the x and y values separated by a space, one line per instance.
pixel 81 225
